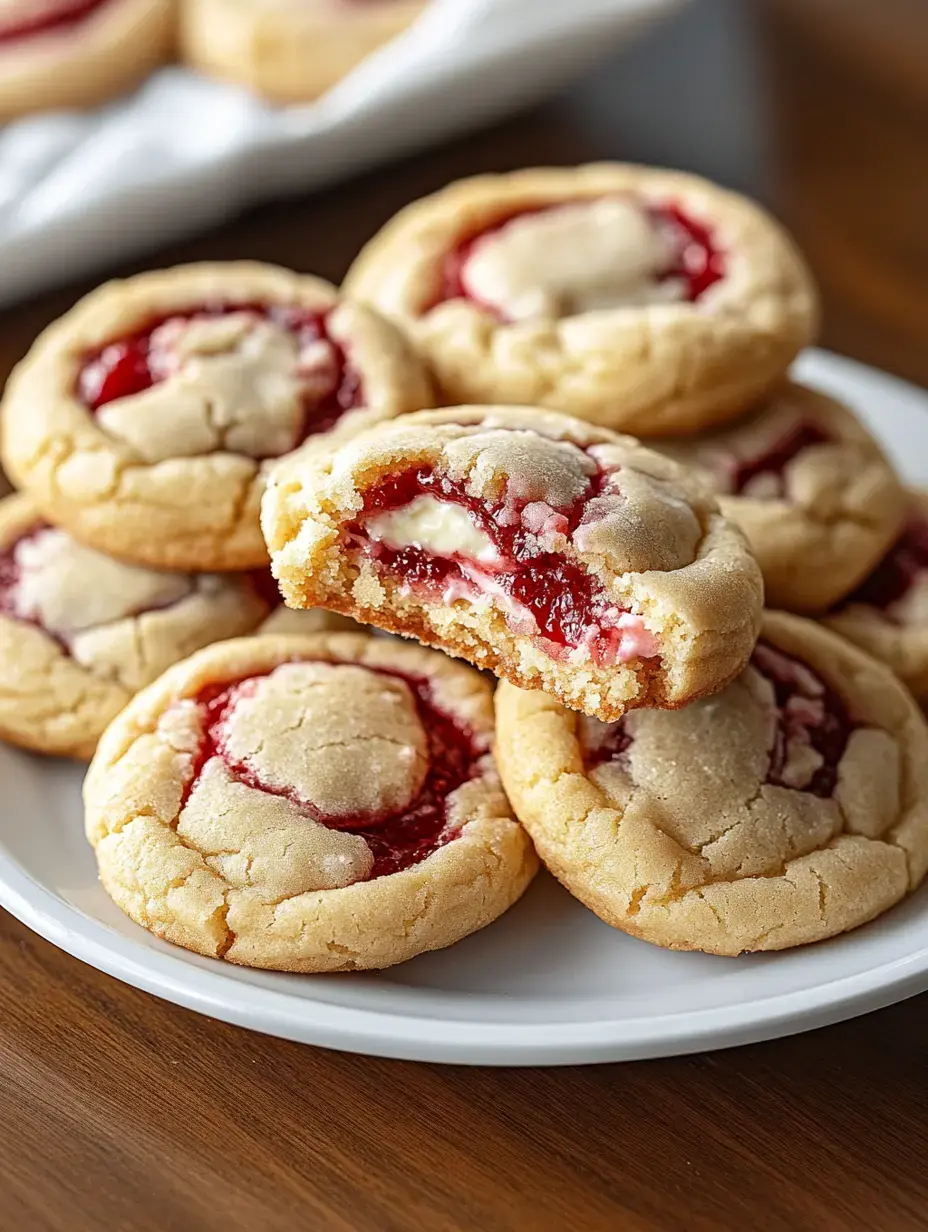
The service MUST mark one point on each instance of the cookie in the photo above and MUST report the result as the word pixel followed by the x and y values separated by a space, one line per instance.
pixel 789 808
pixel 648 301
pixel 289 51
pixel 887 614
pixel 80 632
pixel 327 803
pixel 314 620
pixel 78 53
pixel 811 489
pixel 551 552
pixel 144 421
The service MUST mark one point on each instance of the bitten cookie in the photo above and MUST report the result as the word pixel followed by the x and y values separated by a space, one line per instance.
pixel 81 632
pixel 551 552
pixel 145 419
pixel 810 488
pixel 887 614
pixel 78 53
pixel 648 301
pixel 288 50
pixel 789 808
pixel 327 803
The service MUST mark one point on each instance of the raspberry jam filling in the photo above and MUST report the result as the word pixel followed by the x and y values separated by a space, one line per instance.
pixel 810 737
pixel 541 592
pixel 396 840
pixel 132 364
pixel 898 571
pixel 58 17
pixel 770 465
pixel 697 262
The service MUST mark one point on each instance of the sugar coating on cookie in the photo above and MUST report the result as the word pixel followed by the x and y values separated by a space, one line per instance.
pixel 648 301
pixel 789 808
pixel 81 632
pixel 557 555
pixel 78 53
pixel 146 418
pixel 289 50
pixel 887 615
pixel 307 804
pixel 811 489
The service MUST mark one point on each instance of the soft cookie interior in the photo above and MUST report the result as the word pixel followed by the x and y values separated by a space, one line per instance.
pixel 579 565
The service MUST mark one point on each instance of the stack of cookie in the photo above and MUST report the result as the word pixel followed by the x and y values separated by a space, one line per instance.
pixel 699 772
pixel 81 53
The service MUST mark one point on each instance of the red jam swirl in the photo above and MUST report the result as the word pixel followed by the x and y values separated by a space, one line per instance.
pixel 397 840
pixel 565 601
pixel 775 459
pixel 124 367
pixel 898 571
pixel 808 713
pixel 59 18
pixel 698 263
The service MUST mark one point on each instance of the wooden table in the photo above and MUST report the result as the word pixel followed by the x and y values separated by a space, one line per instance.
pixel 121 1112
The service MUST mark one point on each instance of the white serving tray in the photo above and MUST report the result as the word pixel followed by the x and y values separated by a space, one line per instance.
pixel 78 191
pixel 548 984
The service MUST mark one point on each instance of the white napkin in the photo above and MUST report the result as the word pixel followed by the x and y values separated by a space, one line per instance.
pixel 81 190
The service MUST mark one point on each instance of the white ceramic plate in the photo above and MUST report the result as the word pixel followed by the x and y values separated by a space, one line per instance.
pixel 548 984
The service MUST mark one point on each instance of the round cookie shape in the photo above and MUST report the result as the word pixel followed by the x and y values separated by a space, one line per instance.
pixel 146 418
pixel 887 615
pixel 647 301
pixel 80 632
pixel 551 552
pixel 325 803
pixel 811 489
pixel 78 53
pixel 284 619
pixel 787 809
pixel 289 51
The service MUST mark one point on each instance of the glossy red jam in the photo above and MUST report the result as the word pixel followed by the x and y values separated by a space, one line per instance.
pixel 775 460
pixel 566 602
pixel 809 713
pixel 125 366
pixel 898 571
pixel 58 18
pixel 396 840
pixel 698 262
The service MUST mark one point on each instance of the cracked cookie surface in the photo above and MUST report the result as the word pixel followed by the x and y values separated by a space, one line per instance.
pixel 80 632
pixel 789 808
pixel 324 803
pixel 648 301
pixel 145 419
pixel 811 489
pixel 78 53
pixel 288 50
pixel 551 552
pixel 887 615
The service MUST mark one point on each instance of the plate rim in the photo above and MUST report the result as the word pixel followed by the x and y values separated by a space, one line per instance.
pixel 412 1036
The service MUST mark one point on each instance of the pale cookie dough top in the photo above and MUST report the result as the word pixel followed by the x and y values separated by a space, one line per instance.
pixel 499 499
pixel 168 395
pixel 787 768
pixel 790 807
pixel 121 622
pixel 550 244
pixel 307 773
pixel 800 447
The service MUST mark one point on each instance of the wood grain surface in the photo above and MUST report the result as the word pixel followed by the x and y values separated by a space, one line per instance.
pixel 120 1112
